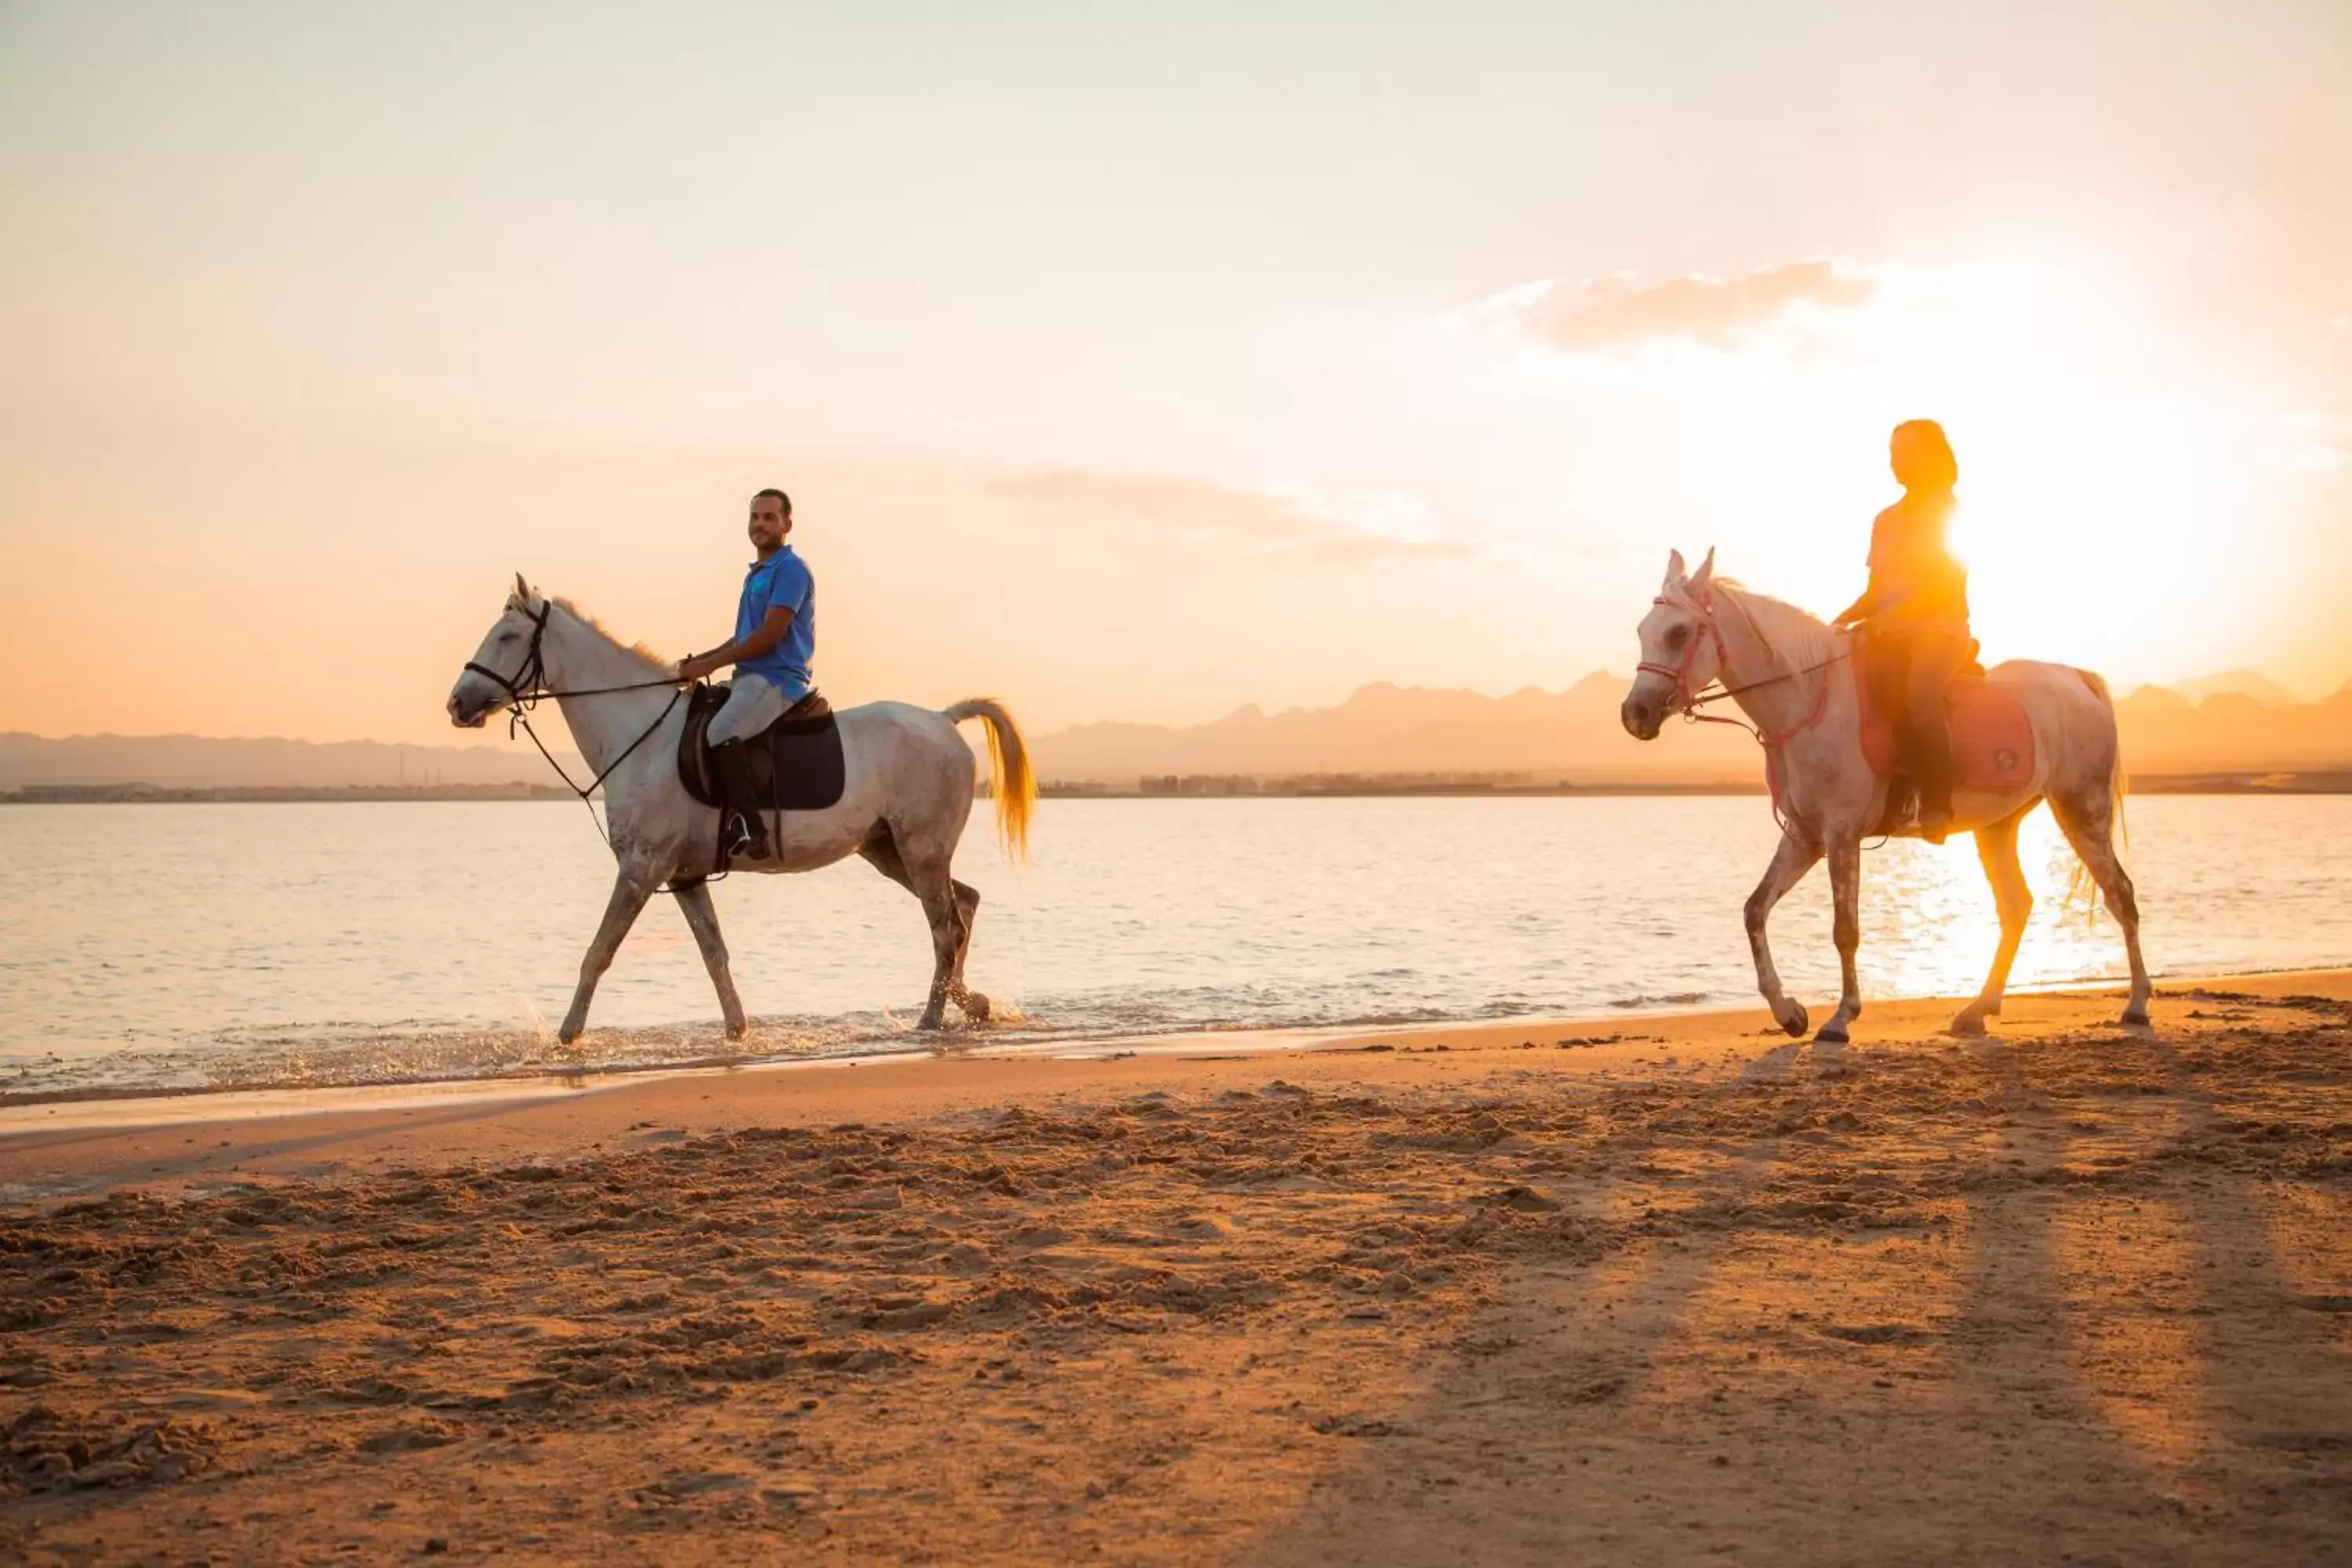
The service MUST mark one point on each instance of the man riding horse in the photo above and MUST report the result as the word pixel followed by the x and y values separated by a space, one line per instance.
pixel 774 647
pixel 1914 612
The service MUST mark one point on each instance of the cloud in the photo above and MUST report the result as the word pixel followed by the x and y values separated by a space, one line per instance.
pixel 1602 314
pixel 1202 506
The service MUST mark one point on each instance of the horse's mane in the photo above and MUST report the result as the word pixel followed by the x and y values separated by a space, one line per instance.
pixel 636 651
pixel 1790 635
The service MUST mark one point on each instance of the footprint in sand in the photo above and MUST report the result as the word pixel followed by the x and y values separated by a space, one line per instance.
pixel 1199 1226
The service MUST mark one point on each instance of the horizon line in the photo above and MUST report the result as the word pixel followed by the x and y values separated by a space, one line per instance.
pixel 489 744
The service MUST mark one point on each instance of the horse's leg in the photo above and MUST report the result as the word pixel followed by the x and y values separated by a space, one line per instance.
pixel 1845 928
pixel 967 902
pixel 702 919
pixel 2089 825
pixel 937 889
pixel 1790 864
pixel 881 851
pixel 631 889
pixel 943 908
pixel 1997 848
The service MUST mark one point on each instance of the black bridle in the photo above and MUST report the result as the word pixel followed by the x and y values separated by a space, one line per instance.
pixel 528 685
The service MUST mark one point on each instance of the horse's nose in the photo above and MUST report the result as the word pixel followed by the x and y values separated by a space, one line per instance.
pixel 1638 720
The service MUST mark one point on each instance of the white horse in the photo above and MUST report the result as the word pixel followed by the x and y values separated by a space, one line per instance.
pixel 908 795
pixel 1794 678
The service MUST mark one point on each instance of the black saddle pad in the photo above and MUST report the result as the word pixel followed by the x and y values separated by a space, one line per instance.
pixel 796 761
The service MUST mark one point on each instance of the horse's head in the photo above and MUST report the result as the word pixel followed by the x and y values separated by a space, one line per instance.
pixel 507 665
pixel 1681 651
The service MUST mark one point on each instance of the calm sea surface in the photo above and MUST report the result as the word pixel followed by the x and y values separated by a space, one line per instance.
pixel 197 945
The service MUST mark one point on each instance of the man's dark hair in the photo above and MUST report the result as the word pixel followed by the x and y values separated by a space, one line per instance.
pixel 783 499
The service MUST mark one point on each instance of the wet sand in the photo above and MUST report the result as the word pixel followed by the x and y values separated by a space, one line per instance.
pixel 1638 1290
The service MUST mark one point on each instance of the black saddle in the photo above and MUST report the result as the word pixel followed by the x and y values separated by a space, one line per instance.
pixel 796 763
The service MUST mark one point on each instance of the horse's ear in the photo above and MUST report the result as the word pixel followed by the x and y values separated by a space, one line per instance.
pixel 1705 575
pixel 1675 569
pixel 523 589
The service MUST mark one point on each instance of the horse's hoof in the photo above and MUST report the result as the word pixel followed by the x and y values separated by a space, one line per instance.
pixel 566 1035
pixel 931 1023
pixel 1831 1034
pixel 2135 1018
pixel 975 1007
pixel 1797 1021
pixel 1967 1027
pixel 738 1031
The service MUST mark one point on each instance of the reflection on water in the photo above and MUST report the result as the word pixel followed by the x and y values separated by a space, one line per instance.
pixel 202 944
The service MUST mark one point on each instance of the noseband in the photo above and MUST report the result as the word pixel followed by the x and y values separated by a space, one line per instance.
pixel 530 682
pixel 1686 700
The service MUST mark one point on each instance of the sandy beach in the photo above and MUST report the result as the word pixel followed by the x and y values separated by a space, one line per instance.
pixel 1636 1290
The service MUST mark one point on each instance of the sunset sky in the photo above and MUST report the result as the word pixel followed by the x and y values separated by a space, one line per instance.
pixel 1138 360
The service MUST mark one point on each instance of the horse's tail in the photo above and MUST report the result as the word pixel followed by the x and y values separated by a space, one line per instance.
pixel 2082 885
pixel 1010 778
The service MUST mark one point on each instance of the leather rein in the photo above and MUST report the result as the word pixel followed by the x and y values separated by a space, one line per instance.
pixel 528 685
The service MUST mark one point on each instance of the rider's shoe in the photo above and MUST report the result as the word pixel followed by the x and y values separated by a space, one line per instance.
pixel 1935 827
pixel 745 833
pixel 746 838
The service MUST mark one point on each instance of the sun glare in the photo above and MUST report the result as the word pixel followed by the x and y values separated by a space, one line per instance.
pixel 2092 507
pixel 2106 495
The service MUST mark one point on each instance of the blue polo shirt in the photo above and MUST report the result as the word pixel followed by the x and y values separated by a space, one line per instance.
pixel 781 581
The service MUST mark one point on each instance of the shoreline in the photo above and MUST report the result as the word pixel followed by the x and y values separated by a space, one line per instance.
pixel 131 1109
pixel 144 1106
pixel 85 1147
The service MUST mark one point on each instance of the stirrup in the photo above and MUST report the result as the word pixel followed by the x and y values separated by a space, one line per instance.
pixel 742 838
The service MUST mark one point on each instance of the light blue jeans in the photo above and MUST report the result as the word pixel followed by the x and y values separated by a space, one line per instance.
pixel 754 702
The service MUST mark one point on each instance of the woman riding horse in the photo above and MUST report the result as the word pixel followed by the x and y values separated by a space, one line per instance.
pixel 1915 612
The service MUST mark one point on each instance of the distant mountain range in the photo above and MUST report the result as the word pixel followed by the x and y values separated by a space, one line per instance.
pixel 2237 723
pixel 2242 723
pixel 1383 729
pixel 2251 683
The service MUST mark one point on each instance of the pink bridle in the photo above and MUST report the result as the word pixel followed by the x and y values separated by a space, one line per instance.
pixel 1688 703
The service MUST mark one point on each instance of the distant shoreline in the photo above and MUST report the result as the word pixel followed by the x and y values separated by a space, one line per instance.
pixel 1172 788
pixel 273 795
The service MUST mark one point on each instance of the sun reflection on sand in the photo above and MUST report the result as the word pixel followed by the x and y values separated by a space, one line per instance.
pixel 1816 1311
pixel 2308 1230
pixel 2129 1280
